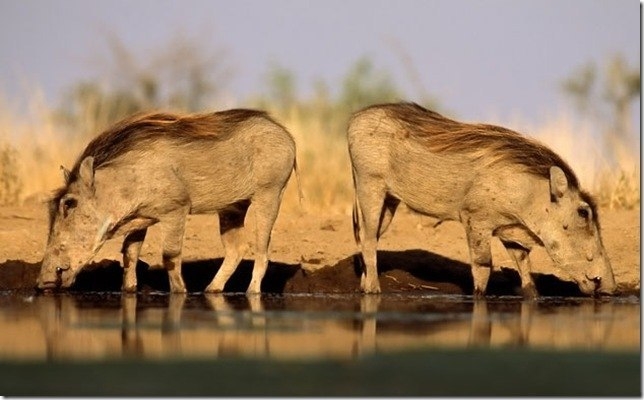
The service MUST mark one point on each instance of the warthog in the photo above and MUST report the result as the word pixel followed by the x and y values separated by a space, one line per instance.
pixel 158 168
pixel 491 179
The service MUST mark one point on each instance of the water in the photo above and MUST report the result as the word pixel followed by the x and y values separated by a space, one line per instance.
pixel 108 326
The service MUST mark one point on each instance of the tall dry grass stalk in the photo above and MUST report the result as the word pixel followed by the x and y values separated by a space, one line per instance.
pixel 36 146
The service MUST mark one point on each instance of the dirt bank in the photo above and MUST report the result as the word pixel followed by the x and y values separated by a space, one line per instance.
pixel 313 252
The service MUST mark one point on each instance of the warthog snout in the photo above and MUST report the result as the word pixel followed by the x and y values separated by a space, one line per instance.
pixel 596 286
pixel 604 287
pixel 50 281
pixel 595 279
pixel 52 278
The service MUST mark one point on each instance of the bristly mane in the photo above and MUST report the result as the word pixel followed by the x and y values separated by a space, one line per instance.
pixel 488 142
pixel 130 132
pixel 493 144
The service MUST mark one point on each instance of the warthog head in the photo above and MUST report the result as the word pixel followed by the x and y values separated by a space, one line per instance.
pixel 571 236
pixel 77 229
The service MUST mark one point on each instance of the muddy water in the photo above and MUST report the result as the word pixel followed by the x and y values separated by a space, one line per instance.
pixel 160 326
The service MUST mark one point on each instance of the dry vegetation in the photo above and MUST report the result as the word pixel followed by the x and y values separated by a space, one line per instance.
pixel 615 184
pixel 33 148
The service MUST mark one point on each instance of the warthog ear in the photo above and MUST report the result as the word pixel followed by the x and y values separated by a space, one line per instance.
pixel 66 174
pixel 86 171
pixel 558 183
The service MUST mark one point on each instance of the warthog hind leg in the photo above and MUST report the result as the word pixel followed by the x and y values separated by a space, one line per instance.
pixel 388 211
pixel 231 228
pixel 173 227
pixel 374 214
pixel 265 207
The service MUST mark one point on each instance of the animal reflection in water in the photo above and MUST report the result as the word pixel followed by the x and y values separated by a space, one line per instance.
pixel 284 327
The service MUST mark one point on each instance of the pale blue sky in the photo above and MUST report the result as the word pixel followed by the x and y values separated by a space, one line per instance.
pixel 479 58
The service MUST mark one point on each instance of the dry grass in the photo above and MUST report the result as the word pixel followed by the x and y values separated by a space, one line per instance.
pixel 324 166
pixel 615 184
pixel 40 148
pixel 33 148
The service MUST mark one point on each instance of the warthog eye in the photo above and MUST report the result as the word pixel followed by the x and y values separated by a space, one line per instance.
pixel 68 204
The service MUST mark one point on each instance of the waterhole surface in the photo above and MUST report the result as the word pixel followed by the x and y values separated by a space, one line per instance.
pixel 159 326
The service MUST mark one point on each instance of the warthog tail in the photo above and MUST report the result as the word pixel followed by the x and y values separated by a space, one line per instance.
pixel 299 183
pixel 358 263
pixel 356 221
pixel 356 214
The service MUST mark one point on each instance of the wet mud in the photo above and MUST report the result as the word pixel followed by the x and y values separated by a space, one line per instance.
pixel 409 271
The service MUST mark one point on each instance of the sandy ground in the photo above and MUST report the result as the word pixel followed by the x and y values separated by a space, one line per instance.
pixel 313 252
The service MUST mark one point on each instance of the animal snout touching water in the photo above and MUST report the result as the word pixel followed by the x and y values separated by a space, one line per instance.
pixel 495 181
pixel 159 168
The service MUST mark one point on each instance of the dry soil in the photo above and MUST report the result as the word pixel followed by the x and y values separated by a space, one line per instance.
pixel 315 252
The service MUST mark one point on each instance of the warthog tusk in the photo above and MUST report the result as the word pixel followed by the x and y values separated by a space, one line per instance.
pixel 100 235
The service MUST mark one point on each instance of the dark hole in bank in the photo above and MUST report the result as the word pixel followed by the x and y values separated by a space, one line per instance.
pixel 400 272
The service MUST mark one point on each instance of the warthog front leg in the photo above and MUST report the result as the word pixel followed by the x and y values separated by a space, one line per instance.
pixel 522 260
pixel 265 206
pixel 478 239
pixel 231 228
pixel 131 250
pixel 173 226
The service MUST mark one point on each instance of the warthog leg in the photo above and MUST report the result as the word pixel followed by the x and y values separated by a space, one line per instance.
pixel 478 238
pixel 371 199
pixel 173 226
pixel 231 229
pixel 388 210
pixel 131 250
pixel 265 206
pixel 522 260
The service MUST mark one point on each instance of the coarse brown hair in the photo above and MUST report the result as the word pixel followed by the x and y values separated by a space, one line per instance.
pixel 137 129
pixel 130 132
pixel 490 143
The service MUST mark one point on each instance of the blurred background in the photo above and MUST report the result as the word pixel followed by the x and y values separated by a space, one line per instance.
pixel 566 72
